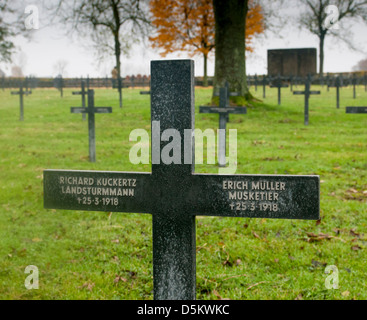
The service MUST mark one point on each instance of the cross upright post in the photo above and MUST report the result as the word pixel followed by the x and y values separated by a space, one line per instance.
pixel 83 93
pixel 278 84
pixel 338 83
pixel 173 193
pixel 264 86
pixel 354 82
pixel 91 110
pixel 223 110
pixel 307 92
pixel 21 93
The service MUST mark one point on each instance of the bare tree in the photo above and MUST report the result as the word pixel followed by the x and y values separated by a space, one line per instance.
pixel 361 65
pixel 60 67
pixel 112 25
pixel 320 17
pixel 11 25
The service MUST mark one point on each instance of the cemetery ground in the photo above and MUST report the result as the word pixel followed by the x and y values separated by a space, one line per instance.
pixel 97 255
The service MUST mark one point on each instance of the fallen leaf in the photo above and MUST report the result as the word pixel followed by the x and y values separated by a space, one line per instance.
pixel 238 262
pixel 255 235
pixel 356 248
pixel 116 241
pixel 345 293
pixel 318 222
pixel 299 297
pixel 36 240
pixel 354 233
pixel 118 278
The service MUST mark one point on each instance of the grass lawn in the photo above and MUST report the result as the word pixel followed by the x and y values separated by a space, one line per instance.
pixel 100 255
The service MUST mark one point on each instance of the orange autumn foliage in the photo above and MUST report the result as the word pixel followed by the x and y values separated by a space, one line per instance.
pixel 189 25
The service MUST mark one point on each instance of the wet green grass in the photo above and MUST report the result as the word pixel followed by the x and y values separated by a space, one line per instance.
pixel 99 255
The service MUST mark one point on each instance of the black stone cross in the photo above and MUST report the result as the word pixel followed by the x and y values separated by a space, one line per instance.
pixel 279 84
pixel 307 92
pixel 83 93
pixel 338 83
pixel 173 193
pixel 223 110
pixel 145 92
pixel 91 110
pixel 21 93
pixel 356 110
pixel 354 83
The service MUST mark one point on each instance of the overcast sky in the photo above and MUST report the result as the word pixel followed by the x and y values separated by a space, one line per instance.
pixel 50 44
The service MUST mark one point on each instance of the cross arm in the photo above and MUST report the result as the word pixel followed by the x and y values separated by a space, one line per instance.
pixel 78 110
pixel 257 196
pixel 96 191
pixel 102 109
pixel 78 92
pixel 214 109
pixel 281 86
pixel 356 110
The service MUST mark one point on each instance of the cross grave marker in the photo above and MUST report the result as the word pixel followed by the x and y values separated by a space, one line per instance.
pixel 173 193
pixel 307 92
pixel 21 93
pixel 279 84
pixel 338 83
pixel 356 110
pixel 83 93
pixel 91 110
pixel 223 110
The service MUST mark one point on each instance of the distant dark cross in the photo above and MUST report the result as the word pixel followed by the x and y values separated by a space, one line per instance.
pixel 145 92
pixel 3 82
pixel 264 82
pixel 365 82
pixel 279 84
pixel 88 83
pixel 327 82
pixel 91 110
pixel 173 193
pixel 223 110
pixel 307 92
pixel 21 93
pixel 229 94
pixel 354 82
pixel 255 82
pixel 83 93
pixel 321 78
pixel 338 83
pixel 356 110
pixel 291 78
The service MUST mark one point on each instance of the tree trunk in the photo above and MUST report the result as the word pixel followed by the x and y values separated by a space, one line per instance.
pixel 205 81
pixel 118 66
pixel 321 48
pixel 230 64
